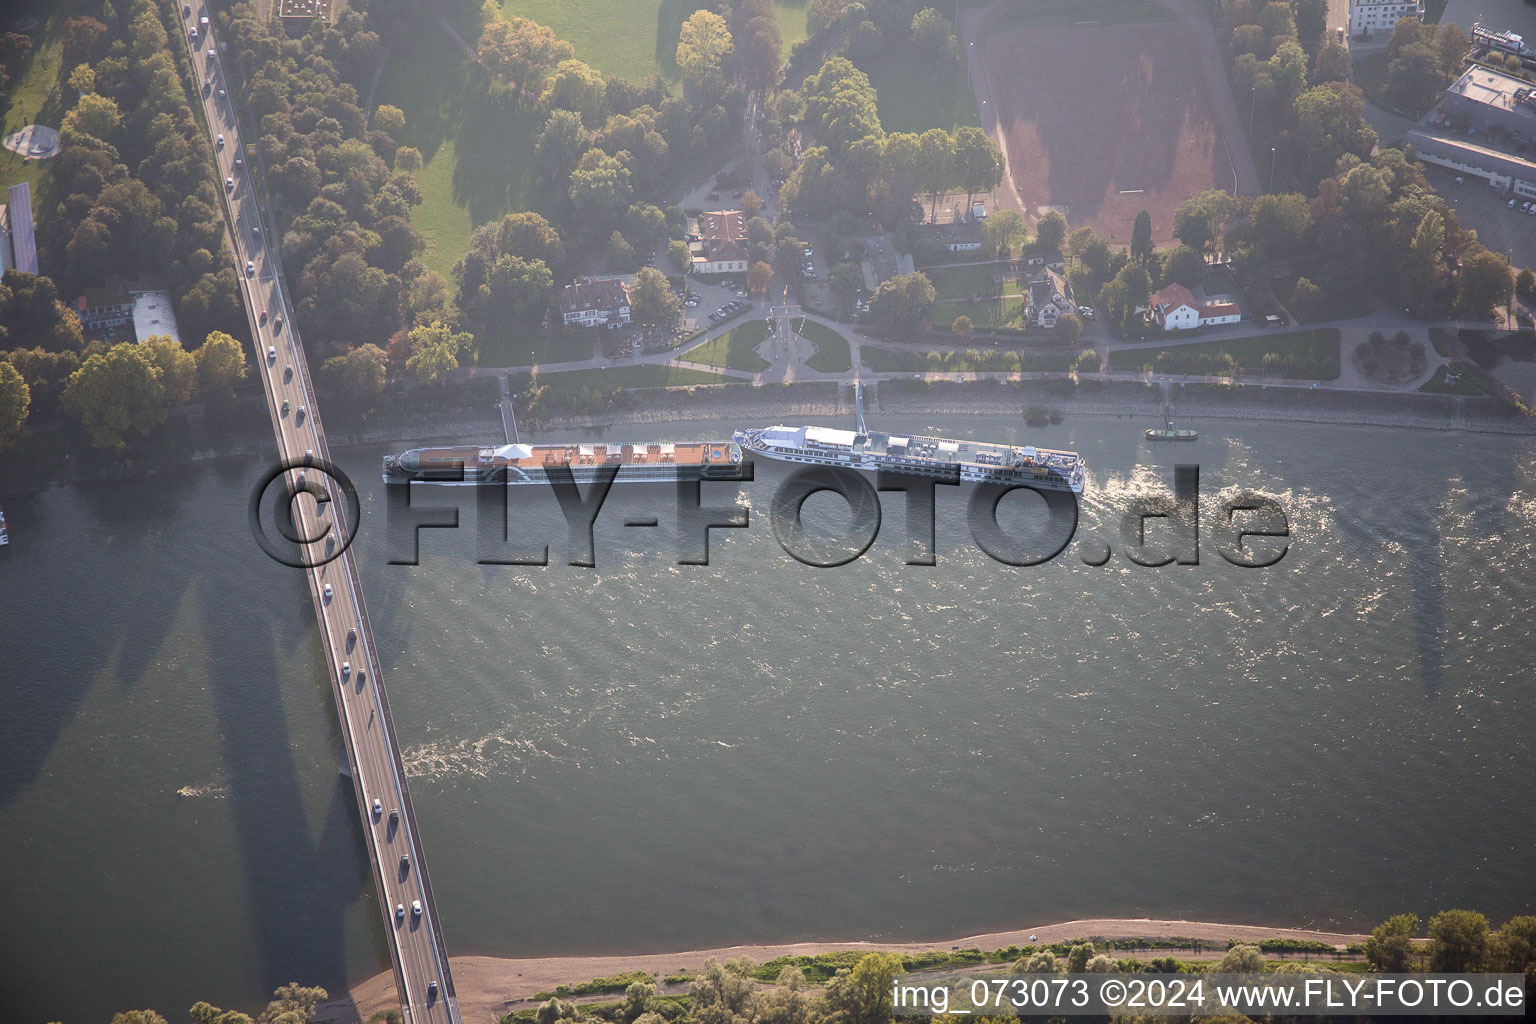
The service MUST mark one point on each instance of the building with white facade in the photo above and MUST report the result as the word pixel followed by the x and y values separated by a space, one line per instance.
pixel 1175 308
pixel 722 244
pixel 595 303
pixel 1377 17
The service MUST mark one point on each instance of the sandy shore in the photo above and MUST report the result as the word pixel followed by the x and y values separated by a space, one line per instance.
pixel 489 987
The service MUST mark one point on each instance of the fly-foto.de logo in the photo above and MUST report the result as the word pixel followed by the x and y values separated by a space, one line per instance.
pixel 1248 530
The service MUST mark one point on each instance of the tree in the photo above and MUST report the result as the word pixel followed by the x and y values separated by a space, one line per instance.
pixel 1078 957
pixel 1331 65
pixel 178 369
pixel 723 993
pixel 1390 944
pixel 1280 220
pixel 862 994
pixel 1308 301
pixel 936 162
pixel 1330 121
pixel 978 164
pixel 761 56
pixel 1069 327
pixel 1419 276
pixel 1288 72
pixel 1130 288
pixel 1184 265
pixel 15 399
pixel 115 393
pixel 1241 959
pixel 1451 42
pixel 1001 229
pixel 577 87
pixel 652 301
pixel 1311 23
pixel 1483 282
pixel 1141 237
pixel 702 45
pixel 1051 231
pixel 221 365
pixel 1198 220
pixel 1458 941
pixel 681 255
pixel 436 351
pixel 560 144
pixel 621 255
pixel 962 328
pixel 359 375
pixel 85 41
pixel 1525 283
pixel 1513 949
pixel 759 278
pixel 600 187
pixel 517 50
pixel 1414 76
pixel 93 117
pixel 751 204
pixel 905 298
pixel 845 280
pixel 408 159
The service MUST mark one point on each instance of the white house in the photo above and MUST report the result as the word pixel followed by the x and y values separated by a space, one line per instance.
pixel 595 303
pixel 1050 295
pixel 1175 308
pixel 1377 17
pixel 722 245
pixel 961 236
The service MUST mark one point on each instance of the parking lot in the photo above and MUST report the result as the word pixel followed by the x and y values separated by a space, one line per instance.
pixel 1487 210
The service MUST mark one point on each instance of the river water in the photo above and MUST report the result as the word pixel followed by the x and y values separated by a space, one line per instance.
pixel 648 756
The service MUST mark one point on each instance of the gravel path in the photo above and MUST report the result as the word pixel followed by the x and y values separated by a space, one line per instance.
pixel 486 985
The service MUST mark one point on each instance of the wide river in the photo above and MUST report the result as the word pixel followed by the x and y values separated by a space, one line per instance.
pixel 652 756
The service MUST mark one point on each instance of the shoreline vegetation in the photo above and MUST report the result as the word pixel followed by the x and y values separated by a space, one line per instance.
pixel 490 988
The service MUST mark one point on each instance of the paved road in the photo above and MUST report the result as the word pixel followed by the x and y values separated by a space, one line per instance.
pixel 415 940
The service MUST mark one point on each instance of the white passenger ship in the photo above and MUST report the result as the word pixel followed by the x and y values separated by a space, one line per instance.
pixel 862 448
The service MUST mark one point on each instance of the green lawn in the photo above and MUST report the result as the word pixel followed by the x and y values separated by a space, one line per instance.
pixel 1437 384
pixel 1316 353
pixel 886 360
pixel 734 349
pixel 913 99
pixel 832 352
pixel 963 282
pixel 645 375
pixel 1003 312
pixel 513 347
pixel 1068 13
pixel 38 94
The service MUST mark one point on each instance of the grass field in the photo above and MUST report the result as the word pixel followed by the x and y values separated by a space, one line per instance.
pixel 832 352
pixel 963 282
pixel 37 96
pixel 1068 13
pixel 734 349
pixel 1004 312
pixel 915 101
pixel 643 376
pixel 1249 352
pixel 1438 385
pixel 514 347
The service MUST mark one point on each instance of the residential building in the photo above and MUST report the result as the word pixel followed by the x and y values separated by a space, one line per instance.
pixel 1377 17
pixel 143 301
pixel 595 303
pixel 1049 296
pixel 722 244
pixel 962 236
pixel 1176 308
pixel 1044 258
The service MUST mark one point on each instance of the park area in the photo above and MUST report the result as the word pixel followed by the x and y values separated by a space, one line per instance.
pixel 1103 116
pixel 478 157
pixel 1298 355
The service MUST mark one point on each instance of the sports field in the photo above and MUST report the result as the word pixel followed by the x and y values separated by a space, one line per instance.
pixel 1100 139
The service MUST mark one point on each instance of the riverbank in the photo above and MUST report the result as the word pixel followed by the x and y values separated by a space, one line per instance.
pixel 489 987
pixel 1136 400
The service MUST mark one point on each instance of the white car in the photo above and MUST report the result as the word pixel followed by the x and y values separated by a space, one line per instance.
pixel 346 670
pixel 378 807
pixel 328 597
pixel 250 268
pixel 229 184
pixel 271 355
pixel 415 908
pixel 219 140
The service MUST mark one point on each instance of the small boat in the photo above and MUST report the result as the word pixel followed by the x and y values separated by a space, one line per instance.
pixel 1168 432
pixel 5 538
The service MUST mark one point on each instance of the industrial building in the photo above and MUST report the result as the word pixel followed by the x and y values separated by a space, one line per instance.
pixel 1494 100
pixel 1503 171
pixel 18 244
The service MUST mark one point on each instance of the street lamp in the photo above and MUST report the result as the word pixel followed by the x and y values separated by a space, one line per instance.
pixel 1253 99
pixel 1271 168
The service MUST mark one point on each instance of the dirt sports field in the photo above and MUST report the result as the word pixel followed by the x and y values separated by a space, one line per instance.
pixel 1102 122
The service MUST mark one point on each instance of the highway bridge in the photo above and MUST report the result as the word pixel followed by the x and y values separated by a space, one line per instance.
pixel 368 735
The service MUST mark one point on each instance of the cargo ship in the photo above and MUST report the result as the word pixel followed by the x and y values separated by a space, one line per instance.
pixel 862 448
pixel 648 462
pixel 5 538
